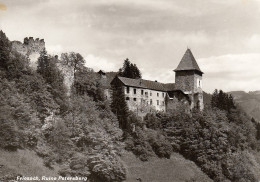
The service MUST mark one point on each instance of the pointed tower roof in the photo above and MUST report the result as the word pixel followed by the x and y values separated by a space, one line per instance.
pixel 188 62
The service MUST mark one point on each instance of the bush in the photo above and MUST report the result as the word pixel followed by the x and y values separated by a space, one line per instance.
pixel 152 121
pixel 159 144
pixel 139 145
pixel 9 135
pixel 238 167
pixel 106 168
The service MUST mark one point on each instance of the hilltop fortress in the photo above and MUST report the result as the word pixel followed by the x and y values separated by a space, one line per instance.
pixel 142 96
pixel 30 47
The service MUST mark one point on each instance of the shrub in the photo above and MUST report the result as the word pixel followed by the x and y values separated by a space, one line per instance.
pixel 9 135
pixel 152 121
pixel 139 145
pixel 238 167
pixel 159 144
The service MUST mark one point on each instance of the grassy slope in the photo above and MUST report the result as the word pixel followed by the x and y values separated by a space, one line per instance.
pixel 176 169
pixel 23 162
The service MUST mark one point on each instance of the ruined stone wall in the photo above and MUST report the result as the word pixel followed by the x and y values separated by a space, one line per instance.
pixel 30 47
pixel 68 73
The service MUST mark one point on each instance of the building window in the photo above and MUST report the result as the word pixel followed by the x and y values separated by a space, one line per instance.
pixel 162 94
pixel 134 91
pixel 127 90
pixel 150 93
pixel 151 102
pixel 163 103
pixel 157 102
pixel 157 94
pixel 134 99
pixel 127 98
pixel 142 92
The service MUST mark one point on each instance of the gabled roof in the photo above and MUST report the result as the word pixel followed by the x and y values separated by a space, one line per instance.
pixel 188 62
pixel 146 84
pixel 101 72
pixel 169 86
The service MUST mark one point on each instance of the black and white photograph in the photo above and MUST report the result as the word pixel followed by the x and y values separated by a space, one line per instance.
pixel 130 90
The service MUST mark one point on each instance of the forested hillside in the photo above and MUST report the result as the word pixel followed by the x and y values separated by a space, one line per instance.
pixel 250 102
pixel 73 130
pixel 79 133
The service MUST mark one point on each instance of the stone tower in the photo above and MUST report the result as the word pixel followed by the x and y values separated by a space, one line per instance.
pixel 188 78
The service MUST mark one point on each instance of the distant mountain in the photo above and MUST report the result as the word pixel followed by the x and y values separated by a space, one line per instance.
pixel 250 102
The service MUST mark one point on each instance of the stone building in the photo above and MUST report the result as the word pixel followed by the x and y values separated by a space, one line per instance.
pixel 144 96
pixel 30 47
pixel 188 78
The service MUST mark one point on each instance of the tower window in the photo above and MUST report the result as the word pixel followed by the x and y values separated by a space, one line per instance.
pixel 134 91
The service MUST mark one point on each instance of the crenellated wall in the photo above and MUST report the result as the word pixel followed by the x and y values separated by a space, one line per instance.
pixel 30 47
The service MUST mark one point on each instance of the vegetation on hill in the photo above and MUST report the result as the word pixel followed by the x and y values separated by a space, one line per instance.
pixel 79 133
pixel 249 102
pixel 220 139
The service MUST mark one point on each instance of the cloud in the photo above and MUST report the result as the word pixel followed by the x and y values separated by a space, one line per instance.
pixel 231 72
pixel 98 63
pixel 54 49
pixel 223 35
pixel 253 42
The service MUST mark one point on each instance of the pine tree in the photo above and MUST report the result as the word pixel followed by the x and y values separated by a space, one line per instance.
pixel 129 70
pixel 222 100
pixel 119 105
pixel 5 49
pixel 43 63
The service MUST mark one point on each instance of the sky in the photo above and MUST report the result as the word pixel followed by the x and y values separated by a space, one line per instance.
pixel 223 35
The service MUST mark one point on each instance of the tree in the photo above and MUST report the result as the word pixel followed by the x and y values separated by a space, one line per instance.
pixel 130 70
pixel 5 49
pixel 53 76
pixel 74 60
pixel 119 105
pixel 222 101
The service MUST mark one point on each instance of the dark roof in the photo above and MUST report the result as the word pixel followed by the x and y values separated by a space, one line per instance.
pixel 147 84
pixel 102 72
pixel 188 62
pixel 169 86
pixel 109 76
